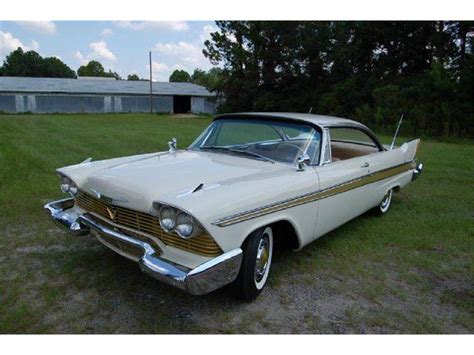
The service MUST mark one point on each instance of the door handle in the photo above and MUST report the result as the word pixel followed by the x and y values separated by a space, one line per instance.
pixel 365 165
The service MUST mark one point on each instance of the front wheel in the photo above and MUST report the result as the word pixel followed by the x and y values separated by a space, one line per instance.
pixel 256 262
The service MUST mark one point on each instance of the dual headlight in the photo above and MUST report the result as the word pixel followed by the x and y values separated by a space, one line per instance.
pixel 68 186
pixel 172 219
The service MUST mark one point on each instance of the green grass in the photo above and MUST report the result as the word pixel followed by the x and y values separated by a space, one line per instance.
pixel 407 272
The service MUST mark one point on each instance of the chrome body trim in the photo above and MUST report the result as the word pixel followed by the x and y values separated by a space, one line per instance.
pixel 314 196
pixel 157 205
pixel 203 279
pixel 417 171
pixel 68 220
pixel 108 199
pixel 325 154
pixel 302 161
pixel 172 145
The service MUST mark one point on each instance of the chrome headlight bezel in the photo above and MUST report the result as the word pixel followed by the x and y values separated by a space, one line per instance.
pixel 166 227
pixel 194 228
pixel 67 185
pixel 186 225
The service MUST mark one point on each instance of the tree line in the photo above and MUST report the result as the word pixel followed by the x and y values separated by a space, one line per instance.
pixel 209 79
pixel 32 64
pixel 369 71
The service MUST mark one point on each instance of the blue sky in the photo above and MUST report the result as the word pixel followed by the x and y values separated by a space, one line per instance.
pixel 121 46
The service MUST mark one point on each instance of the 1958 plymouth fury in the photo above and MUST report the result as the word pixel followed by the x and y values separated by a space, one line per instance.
pixel 209 215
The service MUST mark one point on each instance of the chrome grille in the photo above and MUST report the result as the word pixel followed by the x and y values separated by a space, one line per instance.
pixel 125 247
pixel 143 222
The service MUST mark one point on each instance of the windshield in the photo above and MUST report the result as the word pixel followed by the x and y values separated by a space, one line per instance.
pixel 261 139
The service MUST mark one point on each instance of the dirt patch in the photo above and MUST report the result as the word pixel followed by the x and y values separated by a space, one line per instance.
pixel 76 285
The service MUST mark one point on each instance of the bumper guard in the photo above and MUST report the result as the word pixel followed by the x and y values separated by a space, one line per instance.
pixel 203 279
pixel 417 171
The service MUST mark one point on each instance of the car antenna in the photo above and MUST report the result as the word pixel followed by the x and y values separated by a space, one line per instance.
pixel 396 132
pixel 310 109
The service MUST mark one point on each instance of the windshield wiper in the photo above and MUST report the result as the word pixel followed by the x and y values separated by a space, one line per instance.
pixel 238 151
pixel 263 157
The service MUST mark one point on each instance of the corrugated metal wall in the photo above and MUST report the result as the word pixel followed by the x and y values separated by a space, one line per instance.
pixel 63 103
pixel 7 103
pixel 202 105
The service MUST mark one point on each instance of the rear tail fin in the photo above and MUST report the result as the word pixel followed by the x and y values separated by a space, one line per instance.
pixel 410 149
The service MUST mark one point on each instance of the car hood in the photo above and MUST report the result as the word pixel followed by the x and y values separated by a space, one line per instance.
pixel 136 182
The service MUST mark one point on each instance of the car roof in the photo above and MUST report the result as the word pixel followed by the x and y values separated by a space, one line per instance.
pixel 319 120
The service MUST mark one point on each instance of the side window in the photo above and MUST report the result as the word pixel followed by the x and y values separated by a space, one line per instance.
pixel 347 143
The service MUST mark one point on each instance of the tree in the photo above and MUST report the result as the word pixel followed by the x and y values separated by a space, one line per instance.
pixel 113 74
pixel 133 77
pixel 55 68
pixel 198 76
pixel 93 68
pixel 180 76
pixel 210 80
pixel 31 64
pixel 263 65
pixel 368 70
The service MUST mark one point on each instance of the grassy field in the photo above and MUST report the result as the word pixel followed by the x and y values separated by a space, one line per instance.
pixel 407 272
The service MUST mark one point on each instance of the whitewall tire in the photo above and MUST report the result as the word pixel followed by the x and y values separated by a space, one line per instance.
pixel 386 202
pixel 256 262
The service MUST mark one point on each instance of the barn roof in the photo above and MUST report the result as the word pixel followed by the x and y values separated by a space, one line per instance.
pixel 94 86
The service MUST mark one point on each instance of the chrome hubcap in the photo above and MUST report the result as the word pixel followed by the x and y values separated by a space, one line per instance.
pixel 386 200
pixel 263 254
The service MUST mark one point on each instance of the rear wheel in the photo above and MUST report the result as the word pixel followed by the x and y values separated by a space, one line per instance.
pixel 384 205
pixel 256 262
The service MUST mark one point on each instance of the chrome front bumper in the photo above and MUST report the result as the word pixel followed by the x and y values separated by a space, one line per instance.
pixel 203 279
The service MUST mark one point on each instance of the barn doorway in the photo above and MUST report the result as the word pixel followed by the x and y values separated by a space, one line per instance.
pixel 181 104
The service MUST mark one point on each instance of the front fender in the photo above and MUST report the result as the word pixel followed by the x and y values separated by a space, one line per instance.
pixel 302 218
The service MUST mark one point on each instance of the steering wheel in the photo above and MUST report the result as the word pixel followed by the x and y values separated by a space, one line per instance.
pixel 293 146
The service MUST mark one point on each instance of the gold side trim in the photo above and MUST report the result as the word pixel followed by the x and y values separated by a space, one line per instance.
pixel 315 196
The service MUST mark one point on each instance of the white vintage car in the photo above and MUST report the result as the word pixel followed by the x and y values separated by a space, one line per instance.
pixel 209 215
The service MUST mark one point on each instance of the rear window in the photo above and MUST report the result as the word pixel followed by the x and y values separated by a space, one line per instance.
pixel 351 135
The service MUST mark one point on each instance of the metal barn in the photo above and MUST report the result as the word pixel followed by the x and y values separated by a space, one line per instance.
pixel 54 95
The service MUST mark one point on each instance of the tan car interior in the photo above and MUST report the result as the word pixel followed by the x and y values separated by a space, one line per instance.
pixel 346 150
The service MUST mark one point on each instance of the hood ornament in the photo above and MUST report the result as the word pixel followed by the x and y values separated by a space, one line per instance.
pixel 172 145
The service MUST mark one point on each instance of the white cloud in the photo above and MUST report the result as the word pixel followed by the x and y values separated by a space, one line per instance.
pixel 80 58
pixel 154 25
pixel 106 32
pixel 162 71
pixel 34 46
pixel 8 43
pixel 187 54
pixel 206 32
pixel 100 50
pixel 44 27
pixel 181 55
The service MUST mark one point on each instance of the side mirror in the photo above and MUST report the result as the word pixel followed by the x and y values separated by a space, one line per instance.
pixel 302 161
pixel 172 145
